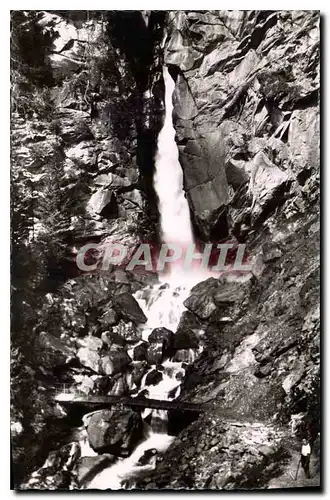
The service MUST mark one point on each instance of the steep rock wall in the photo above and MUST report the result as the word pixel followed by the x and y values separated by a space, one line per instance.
pixel 247 122
pixel 105 114
pixel 246 111
pixel 86 112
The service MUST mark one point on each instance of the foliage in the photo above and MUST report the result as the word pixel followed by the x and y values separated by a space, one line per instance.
pixel 36 252
pixel 42 210
pixel 31 73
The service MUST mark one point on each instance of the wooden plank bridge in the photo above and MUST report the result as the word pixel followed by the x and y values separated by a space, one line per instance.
pixel 69 397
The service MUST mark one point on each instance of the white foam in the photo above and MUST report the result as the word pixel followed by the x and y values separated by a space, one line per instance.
pixel 126 468
pixel 168 181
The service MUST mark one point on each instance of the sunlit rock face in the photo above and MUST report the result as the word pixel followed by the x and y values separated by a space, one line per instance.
pixel 241 106
pixel 104 122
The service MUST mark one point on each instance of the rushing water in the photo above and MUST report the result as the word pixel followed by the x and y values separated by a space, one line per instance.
pixel 168 180
pixel 162 303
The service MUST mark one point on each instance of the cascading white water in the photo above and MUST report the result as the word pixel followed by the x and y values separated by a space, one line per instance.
pixel 168 180
pixel 163 303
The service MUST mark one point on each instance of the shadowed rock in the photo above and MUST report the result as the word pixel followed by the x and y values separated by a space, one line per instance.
pixel 115 431
pixel 55 352
pixel 153 377
pixel 147 456
pixel 140 352
pixel 185 339
pixel 155 354
pixel 126 305
pixel 114 362
pixel 87 467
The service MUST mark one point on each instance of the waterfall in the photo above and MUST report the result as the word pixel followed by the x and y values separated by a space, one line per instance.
pixel 163 303
pixel 168 180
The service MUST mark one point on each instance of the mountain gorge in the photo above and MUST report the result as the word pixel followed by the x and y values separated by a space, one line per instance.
pixel 88 104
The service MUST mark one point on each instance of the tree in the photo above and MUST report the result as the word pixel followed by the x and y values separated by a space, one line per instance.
pixel 30 66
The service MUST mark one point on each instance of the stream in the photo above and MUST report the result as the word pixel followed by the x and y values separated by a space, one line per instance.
pixel 162 305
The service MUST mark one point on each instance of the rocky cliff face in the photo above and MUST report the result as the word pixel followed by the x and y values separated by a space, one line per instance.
pixel 86 112
pixel 247 122
pixel 246 114
pixel 258 374
pixel 102 128
pixel 246 109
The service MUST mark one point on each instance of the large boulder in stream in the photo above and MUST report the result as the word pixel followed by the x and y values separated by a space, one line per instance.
pixel 161 340
pixel 154 377
pixel 155 354
pixel 115 431
pixel 162 336
pixel 128 308
pixel 185 339
pixel 115 361
pixel 140 352
pixel 147 456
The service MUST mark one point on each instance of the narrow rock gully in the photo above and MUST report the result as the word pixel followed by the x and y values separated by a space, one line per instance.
pixel 163 306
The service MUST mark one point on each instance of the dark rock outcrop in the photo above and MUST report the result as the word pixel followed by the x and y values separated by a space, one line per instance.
pixel 114 431
pixel 185 338
pixel 153 377
pixel 114 361
pixel 140 352
pixel 241 109
pixel 190 320
pixel 128 308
